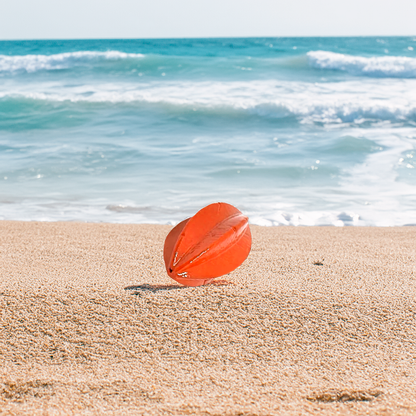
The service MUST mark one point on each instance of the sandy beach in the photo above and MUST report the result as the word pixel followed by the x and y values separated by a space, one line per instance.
pixel 318 320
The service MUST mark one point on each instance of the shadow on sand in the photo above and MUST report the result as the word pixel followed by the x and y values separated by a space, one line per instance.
pixel 145 287
pixel 152 288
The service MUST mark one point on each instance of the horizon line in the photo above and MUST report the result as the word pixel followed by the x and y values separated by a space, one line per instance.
pixel 205 37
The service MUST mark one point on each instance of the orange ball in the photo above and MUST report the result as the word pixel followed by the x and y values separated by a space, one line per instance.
pixel 214 242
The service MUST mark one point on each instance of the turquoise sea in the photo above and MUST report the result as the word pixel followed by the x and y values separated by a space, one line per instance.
pixel 299 131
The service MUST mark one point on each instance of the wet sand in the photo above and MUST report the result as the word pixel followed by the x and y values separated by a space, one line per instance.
pixel 318 320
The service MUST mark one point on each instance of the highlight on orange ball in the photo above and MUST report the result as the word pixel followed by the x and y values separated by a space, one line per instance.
pixel 214 242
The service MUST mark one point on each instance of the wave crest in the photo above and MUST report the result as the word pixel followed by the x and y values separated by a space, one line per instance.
pixel 333 112
pixel 381 67
pixel 33 63
pixel 327 103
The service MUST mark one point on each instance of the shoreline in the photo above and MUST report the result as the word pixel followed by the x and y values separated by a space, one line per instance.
pixel 173 223
pixel 317 320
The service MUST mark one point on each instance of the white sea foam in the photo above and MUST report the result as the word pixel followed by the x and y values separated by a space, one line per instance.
pixel 329 103
pixel 266 216
pixel 381 66
pixel 33 63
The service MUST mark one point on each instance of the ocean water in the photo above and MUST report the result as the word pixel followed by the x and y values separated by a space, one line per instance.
pixel 293 131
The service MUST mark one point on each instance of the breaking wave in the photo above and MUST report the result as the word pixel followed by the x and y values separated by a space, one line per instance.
pixel 33 63
pixel 380 66
pixel 329 103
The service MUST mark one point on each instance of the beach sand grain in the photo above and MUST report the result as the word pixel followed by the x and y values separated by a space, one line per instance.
pixel 318 320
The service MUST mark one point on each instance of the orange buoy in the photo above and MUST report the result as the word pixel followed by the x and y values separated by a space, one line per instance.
pixel 214 242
